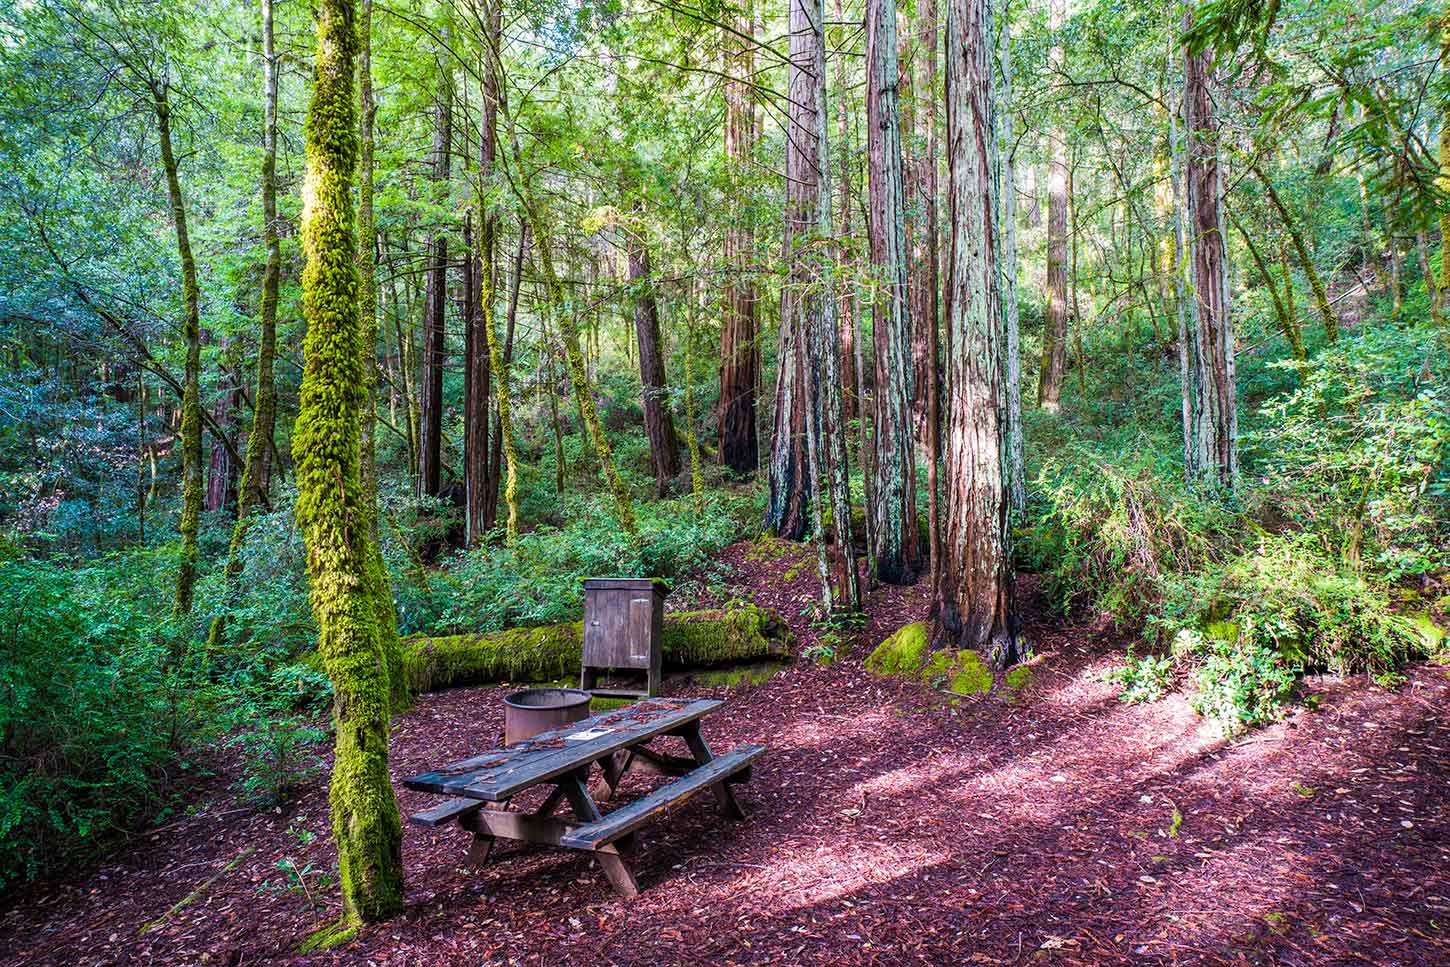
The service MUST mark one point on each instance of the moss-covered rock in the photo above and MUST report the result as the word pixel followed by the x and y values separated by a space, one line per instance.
pixel 907 654
pixel 692 639
pixel 904 653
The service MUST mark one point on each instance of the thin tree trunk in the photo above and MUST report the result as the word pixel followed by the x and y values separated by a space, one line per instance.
pixel 973 603
pixel 788 508
pixel 430 380
pixel 846 268
pixel 574 356
pixel 142 448
pixel 1054 333
pixel 1306 262
pixel 1206 343
pixel 659 425
pixel 502 366
pixel 1287 323
pixel 739 357
pixel 1008 227
pixel 1432 290
pixel 331 509
pixel 480 488
pixel 897 551
pixel 191 474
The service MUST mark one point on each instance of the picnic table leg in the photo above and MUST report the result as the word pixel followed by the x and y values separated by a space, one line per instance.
pixel 480 848
pixel 576 789
pixel 614 767
pixel 700 749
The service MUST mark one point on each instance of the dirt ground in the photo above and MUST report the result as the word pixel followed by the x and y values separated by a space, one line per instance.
pixel 886 825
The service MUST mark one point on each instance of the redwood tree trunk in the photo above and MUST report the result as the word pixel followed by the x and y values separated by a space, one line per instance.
pixel 739 358
pixel 430 379
pixel 897 550
pixel 664 447
pixel 787 511
pixel 1206 342
pixel 973 606
pixel 1054 336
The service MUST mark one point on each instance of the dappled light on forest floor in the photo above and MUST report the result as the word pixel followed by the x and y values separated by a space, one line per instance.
pixel 886 826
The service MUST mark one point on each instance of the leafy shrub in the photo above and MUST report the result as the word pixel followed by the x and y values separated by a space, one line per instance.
pixel 1142 679
pixel 278 750
pixel 93 714
pixel 1242 684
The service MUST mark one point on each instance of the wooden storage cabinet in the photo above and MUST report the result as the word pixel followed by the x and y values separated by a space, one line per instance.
pixel 623 624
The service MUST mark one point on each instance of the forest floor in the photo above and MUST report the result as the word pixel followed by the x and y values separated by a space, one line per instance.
pixel 887 826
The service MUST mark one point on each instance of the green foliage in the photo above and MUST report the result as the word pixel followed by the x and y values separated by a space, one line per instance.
pixel 1243 684
pixel 96 712
pixel 277 749
pixel 1143 679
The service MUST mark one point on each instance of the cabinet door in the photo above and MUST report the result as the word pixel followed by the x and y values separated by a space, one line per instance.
pixel 641 619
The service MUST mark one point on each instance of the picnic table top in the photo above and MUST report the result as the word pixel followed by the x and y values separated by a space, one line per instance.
pixel 498 774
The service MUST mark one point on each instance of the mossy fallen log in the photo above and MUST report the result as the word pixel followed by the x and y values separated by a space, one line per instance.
pixel 692 639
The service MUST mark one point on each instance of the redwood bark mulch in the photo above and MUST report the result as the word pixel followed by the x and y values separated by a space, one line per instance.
pixel 887 826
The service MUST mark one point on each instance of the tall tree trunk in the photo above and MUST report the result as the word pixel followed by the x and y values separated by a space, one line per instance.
pixel 1206 342
pixel 973 604
pixel 480 489
pixel 1008 227
pixel 503 431
pixel 1432 289
pixel 1306 261
pixel 222 471
pixel 739 355
pixel 384 608
pixel 788 509
pixel 331 508
pixel 825 415
pixel 846 260
pixel 430 380
pixel 191 474
pixel 1054 333
pixel 664 447
pixel 897 551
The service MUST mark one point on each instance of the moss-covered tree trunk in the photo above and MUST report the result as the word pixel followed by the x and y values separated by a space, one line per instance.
pixel 897 552
pixel 563 317
pixel 1301 250
pixel 382 584
pixel 191 473
pixel 1287 323
pixel 497 457
pixel 973 603
pixel 332 509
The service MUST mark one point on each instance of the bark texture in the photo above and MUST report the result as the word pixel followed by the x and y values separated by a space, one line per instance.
pixel 897 550
pixel 331 510
pixel 739 353
pixel 430 379
pixel 659 425
pixel 973 605
pixel 1206 342
pixel 1054 335
pixel 788 508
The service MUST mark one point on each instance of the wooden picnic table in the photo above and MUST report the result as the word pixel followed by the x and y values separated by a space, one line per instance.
pixel 481 786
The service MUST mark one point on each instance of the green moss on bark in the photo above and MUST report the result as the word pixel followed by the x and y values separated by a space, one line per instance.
pixel 332 509
pixel 692 639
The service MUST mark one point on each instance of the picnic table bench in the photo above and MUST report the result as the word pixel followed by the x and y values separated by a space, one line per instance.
pixel 618 741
